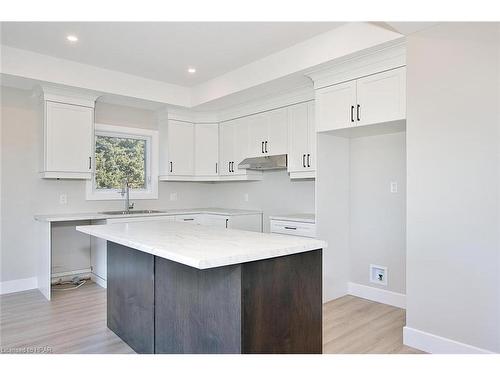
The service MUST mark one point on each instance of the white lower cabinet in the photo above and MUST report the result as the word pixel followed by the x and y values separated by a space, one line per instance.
pixel 294 228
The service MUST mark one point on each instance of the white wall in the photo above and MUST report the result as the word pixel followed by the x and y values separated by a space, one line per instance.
pixel 332 212
pixel 377 216
pixel 453 257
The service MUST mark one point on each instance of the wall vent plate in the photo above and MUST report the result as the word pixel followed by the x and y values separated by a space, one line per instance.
pixel 378 274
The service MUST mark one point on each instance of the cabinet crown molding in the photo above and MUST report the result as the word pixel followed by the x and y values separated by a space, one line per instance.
pixel 68 96
pixel 386 56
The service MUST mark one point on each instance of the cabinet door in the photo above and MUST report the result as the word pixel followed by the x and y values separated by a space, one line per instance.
pixel 277 132
pixel 241 128
pixel 311 138
pixel 181 148
pixel 257 134
pixel 216 221
pixel 382 97
pixel 297 137
pixel 226 147
pixel 69 137
pixel 335 106
pixel 206 149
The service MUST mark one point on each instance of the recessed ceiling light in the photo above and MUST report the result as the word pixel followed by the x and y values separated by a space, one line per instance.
pixel 72 38
pixel 191 70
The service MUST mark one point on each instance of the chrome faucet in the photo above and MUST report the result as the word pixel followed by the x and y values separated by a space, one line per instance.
pixel 126 193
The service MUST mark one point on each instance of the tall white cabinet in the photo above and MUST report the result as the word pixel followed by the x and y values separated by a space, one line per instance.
pixel 68 136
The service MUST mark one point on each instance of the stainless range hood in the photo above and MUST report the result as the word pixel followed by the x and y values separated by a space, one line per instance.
pixel 264 163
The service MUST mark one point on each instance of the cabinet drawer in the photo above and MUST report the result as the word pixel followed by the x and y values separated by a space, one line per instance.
pixel 294 228
pixel 188 218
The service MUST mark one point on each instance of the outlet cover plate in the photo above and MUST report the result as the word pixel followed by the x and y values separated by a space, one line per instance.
pixel 378 274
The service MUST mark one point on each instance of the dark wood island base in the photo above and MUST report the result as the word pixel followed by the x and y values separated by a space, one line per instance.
pixel 267 306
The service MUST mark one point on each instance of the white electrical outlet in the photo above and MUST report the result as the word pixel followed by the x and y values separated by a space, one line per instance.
pixel 394 187
pixel 173 196
pixel 246 197
pixel 63 199
pixel 378 274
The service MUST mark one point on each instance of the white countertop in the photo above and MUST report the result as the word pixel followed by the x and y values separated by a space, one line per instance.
pixel 166 212
pixel 303 218
pixel 201 246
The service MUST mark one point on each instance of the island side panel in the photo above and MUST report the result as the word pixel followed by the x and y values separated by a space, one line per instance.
pixel 282 304
pixel 197 311
pixel 130 296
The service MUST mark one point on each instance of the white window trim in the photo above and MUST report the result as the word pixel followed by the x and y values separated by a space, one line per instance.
pixel 151 160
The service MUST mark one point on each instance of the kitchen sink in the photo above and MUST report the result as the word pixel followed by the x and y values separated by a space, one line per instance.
pixel 132 212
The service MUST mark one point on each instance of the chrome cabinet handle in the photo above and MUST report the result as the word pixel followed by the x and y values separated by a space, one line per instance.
pixel 308 160
pixel 216 171
pixel 90 162
pixel 357 112
pixel 352 113
pixel 171 167
pixel 292 228
pixel 304 160
pixel 262 147
pixel 265 146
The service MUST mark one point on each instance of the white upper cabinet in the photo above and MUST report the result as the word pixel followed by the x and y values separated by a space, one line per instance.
pixel 234 147
pixel 373 99
pixel 335 106
pixel 68 138
pixel 206 149
pixel 297 137
pixel 257 134
pixel 268 133
pixel 241 132
pixel 227 146
pixel 311 136
pixel 277 132
pixel 381 97
pixel 180 148
pixel 301 141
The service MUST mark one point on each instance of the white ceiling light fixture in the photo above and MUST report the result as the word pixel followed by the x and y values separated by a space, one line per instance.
pixel 72 38
pixel 191 70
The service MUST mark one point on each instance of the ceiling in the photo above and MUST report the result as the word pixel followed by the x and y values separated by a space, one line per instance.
pixel 162 50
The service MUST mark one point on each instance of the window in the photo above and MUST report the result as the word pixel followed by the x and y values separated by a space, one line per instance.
pixel 124 155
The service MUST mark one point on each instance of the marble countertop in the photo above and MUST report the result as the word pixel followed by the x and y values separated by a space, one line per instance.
pixel 201 246
pixel 165 212
pixel 303 218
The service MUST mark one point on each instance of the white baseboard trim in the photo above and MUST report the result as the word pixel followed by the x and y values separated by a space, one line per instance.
pixel 19 285
pixel 430 343
pixel 378 295
pixel 98 280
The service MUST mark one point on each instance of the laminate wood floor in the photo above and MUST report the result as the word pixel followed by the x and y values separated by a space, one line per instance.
pixel 75 322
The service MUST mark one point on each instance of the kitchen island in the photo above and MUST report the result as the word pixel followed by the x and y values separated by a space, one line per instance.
pixel 182 288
